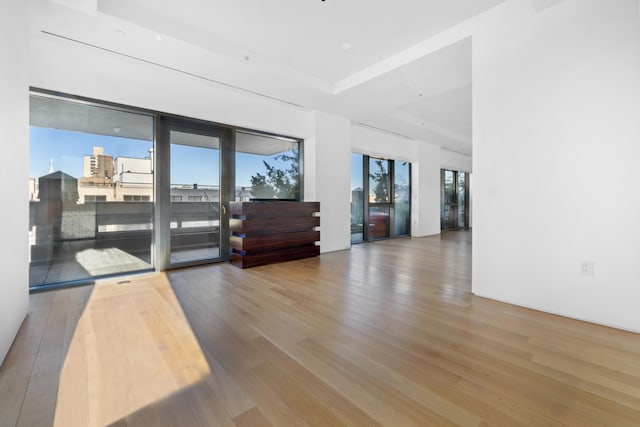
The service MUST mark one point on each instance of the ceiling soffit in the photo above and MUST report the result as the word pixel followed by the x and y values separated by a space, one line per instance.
pixel 294 51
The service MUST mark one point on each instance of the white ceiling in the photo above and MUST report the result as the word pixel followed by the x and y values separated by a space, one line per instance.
pixel 307 35
pixel 293 50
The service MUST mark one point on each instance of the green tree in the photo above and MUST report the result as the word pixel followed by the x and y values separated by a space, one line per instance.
pixel 381 179
pixel 260 188
pixel 278 183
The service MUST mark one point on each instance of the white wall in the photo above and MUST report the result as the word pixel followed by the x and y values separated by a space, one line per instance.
pixel 79 70
pixel 455 161
pixel 425 195
pixel 556 129
pixel 425 172
pixel 14 122
pixel 327 154
pixel 373 142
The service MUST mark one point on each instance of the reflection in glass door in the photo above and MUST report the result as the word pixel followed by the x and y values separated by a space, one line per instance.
pixel 379 198
pixel 402 197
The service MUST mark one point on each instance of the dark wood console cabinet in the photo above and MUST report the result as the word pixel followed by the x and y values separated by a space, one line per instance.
pixel 266 232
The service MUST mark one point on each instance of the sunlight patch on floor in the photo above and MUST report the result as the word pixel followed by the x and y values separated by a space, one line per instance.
pixel 99 262
pixel 133 346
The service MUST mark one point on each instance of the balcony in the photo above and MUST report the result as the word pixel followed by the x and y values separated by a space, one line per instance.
pixel 71 241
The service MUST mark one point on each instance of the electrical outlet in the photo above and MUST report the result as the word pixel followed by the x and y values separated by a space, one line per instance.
pixel 586 268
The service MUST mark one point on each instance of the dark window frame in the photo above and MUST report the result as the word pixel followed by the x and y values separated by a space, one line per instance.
pixel 391 231
pixel 159 118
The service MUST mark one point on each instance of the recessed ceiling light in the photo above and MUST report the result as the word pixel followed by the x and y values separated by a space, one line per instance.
pixel 120 32
pixel 117 129
pixel 158 37
pixel 346 46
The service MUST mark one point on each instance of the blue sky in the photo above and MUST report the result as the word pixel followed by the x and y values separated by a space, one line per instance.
pixel 189 164
pixel 68 148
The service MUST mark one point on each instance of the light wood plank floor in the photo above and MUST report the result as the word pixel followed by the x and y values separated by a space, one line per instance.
pixel 385 334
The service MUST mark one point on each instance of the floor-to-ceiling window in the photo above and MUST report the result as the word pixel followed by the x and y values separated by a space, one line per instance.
pixel 194 196
pixel 357 198
pixel 454 200
pixel 380 198
pixel 116 189
pixel 194 182
pixel 462 190
pixel 91 191
pixel 402 197
pixel 386 209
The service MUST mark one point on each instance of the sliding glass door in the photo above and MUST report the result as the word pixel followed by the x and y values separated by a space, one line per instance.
pixel 462 199
pixel 449 202
pixel 380 198
pixel 454 201
pixel 402 197
pixel 114 189
pixel 194 197
pixel 357 198
pixel 192 213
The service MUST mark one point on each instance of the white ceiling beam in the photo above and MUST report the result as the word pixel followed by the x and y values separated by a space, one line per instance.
pixel 411 54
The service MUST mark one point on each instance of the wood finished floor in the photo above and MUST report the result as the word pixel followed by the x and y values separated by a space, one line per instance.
pixel 385 334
